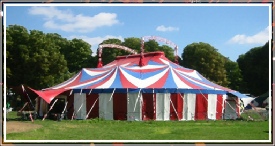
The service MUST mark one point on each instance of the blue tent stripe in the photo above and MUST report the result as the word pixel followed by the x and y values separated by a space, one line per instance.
pixel 194 83
pixel 141 75
pixel 85 76
pixel 170 83
pixel 150 62
pixel 94 83
pixel 117 81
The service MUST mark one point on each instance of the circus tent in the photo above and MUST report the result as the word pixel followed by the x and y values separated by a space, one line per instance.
pixel 159 90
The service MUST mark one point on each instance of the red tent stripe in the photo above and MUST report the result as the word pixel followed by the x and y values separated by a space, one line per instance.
pixel 160 82
pixel 187 82
pixel 219 107
pixel 102 81
pixel 125 82
pixel 201 107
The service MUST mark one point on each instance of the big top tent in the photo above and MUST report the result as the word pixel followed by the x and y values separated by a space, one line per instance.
pixel 158 90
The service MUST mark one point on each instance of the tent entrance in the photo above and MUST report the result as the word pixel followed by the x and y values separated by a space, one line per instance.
pixel 58 107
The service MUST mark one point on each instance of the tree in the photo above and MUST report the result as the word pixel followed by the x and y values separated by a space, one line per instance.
pixel 133 43
pixel 77 53
pixel 33 59
pixel 152 46
pixel 206 60
pixel 109 54
pixel 255 70
pixel 169 52
pixel 233 73
pixel 16 53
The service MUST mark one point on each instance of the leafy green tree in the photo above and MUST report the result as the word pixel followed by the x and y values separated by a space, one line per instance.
pixel 168 51
pixel 77 54
pixel 17 38
pixel 109 54
pixel 133 43
pixel 152 46
pixel 206 60
pixel 233 73
pixel 33 59
pixel 255 70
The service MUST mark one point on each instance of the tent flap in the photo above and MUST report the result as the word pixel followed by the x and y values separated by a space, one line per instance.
pixel 49 94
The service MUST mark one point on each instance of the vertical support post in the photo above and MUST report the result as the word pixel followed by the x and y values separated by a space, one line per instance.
pixel 176 55
pixel 141 61
pixel 99 50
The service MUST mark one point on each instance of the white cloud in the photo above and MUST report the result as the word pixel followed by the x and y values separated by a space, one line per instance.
pixel 67 21
pixel 164 29
pixel 260 38
pixel 95 41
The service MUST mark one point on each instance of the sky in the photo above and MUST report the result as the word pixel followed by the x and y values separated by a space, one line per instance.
pixel 232 29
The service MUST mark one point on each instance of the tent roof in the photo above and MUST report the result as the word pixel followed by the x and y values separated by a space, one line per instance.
pixel 125 75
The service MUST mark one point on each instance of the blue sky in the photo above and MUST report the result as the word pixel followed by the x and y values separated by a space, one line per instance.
pixel 233 30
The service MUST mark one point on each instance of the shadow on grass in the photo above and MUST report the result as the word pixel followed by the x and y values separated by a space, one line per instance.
pixel 16 119
pixel 267 131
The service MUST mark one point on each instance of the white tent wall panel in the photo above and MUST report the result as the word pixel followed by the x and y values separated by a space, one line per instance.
pixel 106 106
pixel 189 106
pixel 167 104
pixel 223 105
pixel 212 106
pixel 162 106
pixel 231 110
pixel 80 106
pixel 43 107
pixel 134 107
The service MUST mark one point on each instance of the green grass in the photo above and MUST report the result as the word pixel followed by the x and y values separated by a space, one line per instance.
pixel 96 129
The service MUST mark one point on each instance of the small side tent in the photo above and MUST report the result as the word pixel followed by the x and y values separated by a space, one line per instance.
pixel 159 90
pixel 260 101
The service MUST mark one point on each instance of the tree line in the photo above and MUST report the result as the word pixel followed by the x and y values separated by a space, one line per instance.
pixel 41 60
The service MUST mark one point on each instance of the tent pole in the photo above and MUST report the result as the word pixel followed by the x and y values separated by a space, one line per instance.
pixel 27 96
pixel 23 107
pixel 137 100
pixel 64 109
pixel 90 91
pixel 79 108
pixel 71 92
pixel 112 94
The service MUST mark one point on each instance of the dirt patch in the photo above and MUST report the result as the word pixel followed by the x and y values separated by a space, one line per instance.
pixel 15 126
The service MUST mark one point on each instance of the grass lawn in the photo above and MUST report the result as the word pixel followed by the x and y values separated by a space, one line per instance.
pixel 96 129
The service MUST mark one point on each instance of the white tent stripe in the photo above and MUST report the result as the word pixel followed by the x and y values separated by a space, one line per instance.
pixel 84 84
pixel 94 73
pixel 66 82
pixel 178 81
pixel 143 83
pixel 110 81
